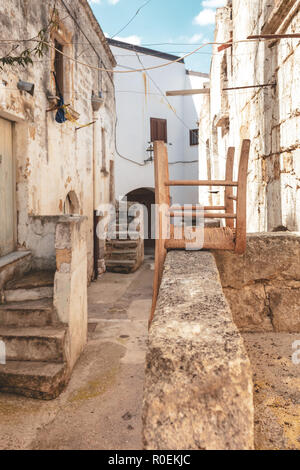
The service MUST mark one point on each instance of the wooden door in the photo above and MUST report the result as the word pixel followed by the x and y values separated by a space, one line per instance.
pixel 7 196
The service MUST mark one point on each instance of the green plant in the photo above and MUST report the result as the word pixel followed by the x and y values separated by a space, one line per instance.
pixel 25 57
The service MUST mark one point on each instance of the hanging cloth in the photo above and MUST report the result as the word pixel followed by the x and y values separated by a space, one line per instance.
pixel 60 116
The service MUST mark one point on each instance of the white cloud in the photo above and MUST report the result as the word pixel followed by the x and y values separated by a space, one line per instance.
pixel 205 17
pixel 97 2
pixel 136 40
pixel 214 3
pixel 195 38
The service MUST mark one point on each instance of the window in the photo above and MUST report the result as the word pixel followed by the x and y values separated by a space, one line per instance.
pixel 59 68
pixel 194 137
pixel 158 130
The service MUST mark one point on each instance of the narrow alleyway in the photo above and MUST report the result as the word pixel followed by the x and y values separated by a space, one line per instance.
pixel 101 407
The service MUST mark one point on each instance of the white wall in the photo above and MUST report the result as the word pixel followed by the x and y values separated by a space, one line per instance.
pixel 138 99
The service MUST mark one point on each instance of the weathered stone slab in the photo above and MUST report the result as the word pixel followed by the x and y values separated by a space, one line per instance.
pixel 285 307
pixel 268 256
pixel 262 286
pixel 198 387
pixel 250 308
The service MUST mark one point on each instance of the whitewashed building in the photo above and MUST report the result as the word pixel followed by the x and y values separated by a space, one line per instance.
pixel 145 114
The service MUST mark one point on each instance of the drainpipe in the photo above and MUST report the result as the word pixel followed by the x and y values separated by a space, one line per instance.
pixel 97 102
pixel 95 117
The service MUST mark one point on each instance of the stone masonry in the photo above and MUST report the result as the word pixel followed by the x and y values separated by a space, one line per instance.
pixel 269 115
pixel 262 286
pixel 198 388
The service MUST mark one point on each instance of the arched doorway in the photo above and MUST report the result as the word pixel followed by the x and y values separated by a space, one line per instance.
pixel 71 204
pixel 145 196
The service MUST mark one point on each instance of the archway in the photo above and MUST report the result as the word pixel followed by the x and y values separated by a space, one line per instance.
pixel 145 196
pixel 71 204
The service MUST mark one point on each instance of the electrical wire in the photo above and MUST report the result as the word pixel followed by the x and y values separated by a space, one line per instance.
pixel 165 98
pixel 179 59
pixel 131 19
pixel 122 156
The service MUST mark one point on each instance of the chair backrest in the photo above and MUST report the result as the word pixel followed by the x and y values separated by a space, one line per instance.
pixel 232 237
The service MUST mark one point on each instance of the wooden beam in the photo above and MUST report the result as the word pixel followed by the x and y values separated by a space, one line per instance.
pixel 250 86
pixel 201 183
pixel 199 91
pixel 225 46
pixel 275 36
pixel 197 208
pixel 206 215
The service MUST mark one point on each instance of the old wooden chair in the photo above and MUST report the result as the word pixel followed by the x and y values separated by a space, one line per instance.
pixel 232 237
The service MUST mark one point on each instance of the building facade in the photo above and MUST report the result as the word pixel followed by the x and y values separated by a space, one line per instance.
pixel 57 168
pixel 57 124
pixel 268 115
pixel 146 114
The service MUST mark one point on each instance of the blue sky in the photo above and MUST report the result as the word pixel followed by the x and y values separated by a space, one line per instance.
pixel 182 23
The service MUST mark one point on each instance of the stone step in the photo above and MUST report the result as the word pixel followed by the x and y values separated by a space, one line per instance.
pixel 125 236
pixel 31 280
pixel 33 379
pixel 120 262
pixel 121 244
pixel 122 252
pixel 32 286
pixel 26 314
pixel 45 344
pixel 21 295
pixel 121 256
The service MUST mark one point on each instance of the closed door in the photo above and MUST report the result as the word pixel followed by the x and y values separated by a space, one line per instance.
pixel 7 205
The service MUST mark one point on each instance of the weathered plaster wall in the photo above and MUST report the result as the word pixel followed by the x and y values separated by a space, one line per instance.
pixel 70 283
pixel 268 116
pixel 140 97
pixel 53 159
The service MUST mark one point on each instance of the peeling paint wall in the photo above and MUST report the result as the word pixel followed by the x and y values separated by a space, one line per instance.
pixel 53 159
pixel 269 116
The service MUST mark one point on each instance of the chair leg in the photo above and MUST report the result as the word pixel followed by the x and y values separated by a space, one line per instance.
pixel 241 223
pixel 229 204
pixel 162 199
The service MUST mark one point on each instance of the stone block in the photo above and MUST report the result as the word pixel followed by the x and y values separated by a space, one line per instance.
pixel 268 256
pixel 249 308
pixel 285 307
pixel 198 386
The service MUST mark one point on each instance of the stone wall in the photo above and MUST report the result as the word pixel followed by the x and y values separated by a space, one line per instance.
pixel 262 286
pixel 70 283
pixel 268 116
pixel 198 388
pixel 54 159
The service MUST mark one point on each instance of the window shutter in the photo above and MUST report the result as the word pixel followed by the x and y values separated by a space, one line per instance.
pixel 158 129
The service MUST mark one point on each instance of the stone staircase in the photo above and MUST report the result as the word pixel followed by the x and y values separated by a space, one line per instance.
pixel 35 341
pixel 124 251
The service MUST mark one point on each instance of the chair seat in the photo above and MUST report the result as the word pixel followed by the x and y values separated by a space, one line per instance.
pixel 198 238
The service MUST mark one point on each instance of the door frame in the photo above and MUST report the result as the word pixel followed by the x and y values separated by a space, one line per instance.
pixel 14 179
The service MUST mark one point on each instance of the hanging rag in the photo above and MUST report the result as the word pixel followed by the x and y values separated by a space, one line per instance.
pixel 60 116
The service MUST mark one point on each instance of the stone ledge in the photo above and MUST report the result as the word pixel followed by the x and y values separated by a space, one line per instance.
pixel 198 386
pixel 13 257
